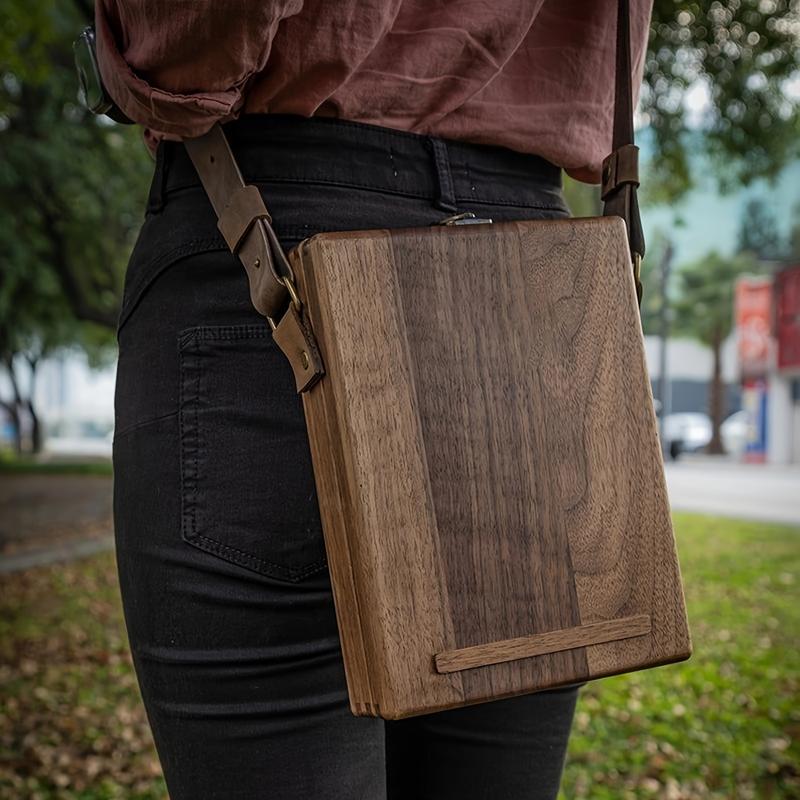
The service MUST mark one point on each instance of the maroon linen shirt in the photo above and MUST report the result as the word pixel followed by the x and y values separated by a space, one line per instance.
pixel 536 76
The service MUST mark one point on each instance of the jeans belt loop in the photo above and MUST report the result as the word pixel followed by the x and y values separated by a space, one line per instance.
pixel 155 199
pixel 446 199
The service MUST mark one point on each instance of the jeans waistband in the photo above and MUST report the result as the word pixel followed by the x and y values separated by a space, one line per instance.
pixel 272 148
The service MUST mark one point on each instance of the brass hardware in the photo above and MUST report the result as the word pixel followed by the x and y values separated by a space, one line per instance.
pixel 257 263
pixel 288 282
pixel 304 359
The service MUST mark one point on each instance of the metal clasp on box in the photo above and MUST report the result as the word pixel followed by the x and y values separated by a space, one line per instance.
pixel 465 218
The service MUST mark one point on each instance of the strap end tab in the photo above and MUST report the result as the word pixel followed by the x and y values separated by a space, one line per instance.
pixel 296 340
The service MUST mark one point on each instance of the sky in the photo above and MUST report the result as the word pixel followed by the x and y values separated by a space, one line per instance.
pixel 706 220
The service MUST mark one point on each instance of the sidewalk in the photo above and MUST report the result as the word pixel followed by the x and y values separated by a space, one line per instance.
pixel 717 485
pixel 50 518
pixel 47 518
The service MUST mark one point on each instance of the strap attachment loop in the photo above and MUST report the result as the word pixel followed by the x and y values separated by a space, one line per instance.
pixel 621 167
pixel 245 207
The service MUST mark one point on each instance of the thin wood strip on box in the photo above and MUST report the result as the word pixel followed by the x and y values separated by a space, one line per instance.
pixel 481 655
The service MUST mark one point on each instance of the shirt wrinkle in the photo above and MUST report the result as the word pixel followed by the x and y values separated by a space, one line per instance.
pixel 536 76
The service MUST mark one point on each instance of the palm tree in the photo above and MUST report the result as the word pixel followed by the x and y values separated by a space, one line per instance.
pixel 704 311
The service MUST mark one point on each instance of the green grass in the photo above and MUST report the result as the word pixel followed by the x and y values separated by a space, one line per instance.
pixel 29 465
pixel 723 725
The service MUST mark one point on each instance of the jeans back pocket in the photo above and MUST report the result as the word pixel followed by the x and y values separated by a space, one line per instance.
pixel 247 485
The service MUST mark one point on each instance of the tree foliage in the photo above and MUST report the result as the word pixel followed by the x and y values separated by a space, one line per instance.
pixel 703 309
pixel 71 197
pixel 71 186
pixel 659 258
pixel 758 233
pixel 744 53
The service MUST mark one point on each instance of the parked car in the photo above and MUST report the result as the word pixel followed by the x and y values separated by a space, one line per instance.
pixel 685 433
pixel 736 431
pixel 691 432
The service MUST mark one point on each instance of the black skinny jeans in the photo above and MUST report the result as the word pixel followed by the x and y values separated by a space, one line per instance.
pixel 221 560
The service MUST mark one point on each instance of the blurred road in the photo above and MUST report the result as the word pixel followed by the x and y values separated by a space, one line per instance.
pixel 46 518
pixel 748 491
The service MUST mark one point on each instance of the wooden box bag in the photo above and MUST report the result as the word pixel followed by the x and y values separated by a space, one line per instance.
pixel 483 438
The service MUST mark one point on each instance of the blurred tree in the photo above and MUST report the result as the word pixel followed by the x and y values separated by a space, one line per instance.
pixel 72 193
pixel 758 232
pixel 72 185
pixel 743 55
pixel 35 322
pixel 703 310
pixel 659 253
pixel 794 234
pixel 30 328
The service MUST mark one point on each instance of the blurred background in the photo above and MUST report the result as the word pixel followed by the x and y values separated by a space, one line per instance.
pixel 719 128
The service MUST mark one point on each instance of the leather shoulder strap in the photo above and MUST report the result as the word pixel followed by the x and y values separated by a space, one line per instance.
pixel 620 178
pixel 243 220
pixel 246 225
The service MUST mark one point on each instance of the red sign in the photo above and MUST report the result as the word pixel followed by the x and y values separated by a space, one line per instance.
pixel 753 314
pixel 787 317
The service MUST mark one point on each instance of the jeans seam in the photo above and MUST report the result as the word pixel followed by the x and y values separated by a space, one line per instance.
pixel 538 207
pixel 143 424
pixel 382 189
pixel 161 262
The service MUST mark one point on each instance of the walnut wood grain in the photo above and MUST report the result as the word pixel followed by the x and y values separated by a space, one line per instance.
pixel 486 457
pixel 482 655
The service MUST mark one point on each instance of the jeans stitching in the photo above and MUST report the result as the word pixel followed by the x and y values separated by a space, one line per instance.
pixel 142 424
pixel 197 434
pixel 223 332
pixel 241 555
pixel 182 436
pixel 382 188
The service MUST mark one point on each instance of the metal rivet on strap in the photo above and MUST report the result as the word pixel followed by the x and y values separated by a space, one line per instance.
pixel 304 359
